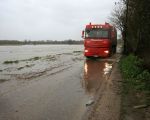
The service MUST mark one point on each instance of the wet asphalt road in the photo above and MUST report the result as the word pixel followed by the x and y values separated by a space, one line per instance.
pixel 61 95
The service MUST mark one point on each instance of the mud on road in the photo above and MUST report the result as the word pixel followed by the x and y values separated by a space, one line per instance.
pixel 63 86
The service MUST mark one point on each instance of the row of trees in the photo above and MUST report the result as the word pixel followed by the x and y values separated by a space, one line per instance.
pixel 132 18
pixel 28 42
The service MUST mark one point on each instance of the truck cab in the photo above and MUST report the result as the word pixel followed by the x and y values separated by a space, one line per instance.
pixel 100 40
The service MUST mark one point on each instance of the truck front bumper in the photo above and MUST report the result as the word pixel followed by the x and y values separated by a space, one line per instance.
pixel 96 52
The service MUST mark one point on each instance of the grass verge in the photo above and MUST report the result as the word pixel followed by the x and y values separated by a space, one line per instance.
pixel 136 88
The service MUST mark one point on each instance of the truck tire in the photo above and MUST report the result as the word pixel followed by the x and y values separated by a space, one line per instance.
pixel 114 49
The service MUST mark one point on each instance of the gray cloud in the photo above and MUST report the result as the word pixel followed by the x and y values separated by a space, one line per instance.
pixel 50 19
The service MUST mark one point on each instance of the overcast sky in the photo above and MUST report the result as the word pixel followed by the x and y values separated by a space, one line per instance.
pixel 50 19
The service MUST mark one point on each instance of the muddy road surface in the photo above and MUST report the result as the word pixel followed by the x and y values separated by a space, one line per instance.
pixel 51 86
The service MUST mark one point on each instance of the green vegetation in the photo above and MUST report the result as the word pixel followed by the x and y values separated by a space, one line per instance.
pixel 11 62
pixel 34 59
pixel 134 74
pixel 135 88
pixel 26 66
pixel 17 61
pixel 50 57
pixel 31 59
pixel 132 18
pixel 77 51
pixel 29 65
pixel 20 68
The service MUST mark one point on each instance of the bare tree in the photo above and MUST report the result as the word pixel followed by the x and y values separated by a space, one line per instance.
pixel 132 18
pixel 117 17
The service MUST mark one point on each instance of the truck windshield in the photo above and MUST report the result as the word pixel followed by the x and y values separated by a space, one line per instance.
pixel 96 33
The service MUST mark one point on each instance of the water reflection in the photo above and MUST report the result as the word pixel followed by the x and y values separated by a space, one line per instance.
pixel 107 68
pixel 94 72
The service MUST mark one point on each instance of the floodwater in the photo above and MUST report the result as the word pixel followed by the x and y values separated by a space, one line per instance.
pixel 94 72
pixel 49 82
pixel 32 60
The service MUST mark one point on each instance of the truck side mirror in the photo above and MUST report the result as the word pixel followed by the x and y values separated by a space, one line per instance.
pixel 83 34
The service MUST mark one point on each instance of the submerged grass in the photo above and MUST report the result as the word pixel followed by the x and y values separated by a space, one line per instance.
pixel 34 58
pixel 26 66
pixel 17 61
pixel 11 62
pixel 77 51
pixel 50 58
pixel 20 68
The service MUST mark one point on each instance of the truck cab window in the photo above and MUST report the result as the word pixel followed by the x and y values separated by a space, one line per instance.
pixel 96 33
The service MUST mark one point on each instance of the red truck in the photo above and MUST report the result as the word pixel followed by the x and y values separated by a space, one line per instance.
pixel 100 40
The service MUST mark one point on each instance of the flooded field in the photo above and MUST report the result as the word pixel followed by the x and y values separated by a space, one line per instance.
pixel 49 82
pixel 26 59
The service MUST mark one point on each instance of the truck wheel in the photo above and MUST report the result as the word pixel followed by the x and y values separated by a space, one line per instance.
pixel 114 49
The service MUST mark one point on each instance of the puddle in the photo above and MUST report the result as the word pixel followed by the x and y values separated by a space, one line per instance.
pixel 108 68
pixel 95 71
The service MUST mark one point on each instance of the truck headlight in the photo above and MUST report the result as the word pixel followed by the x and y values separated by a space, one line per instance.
pixel 106 51
pixel 85 50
